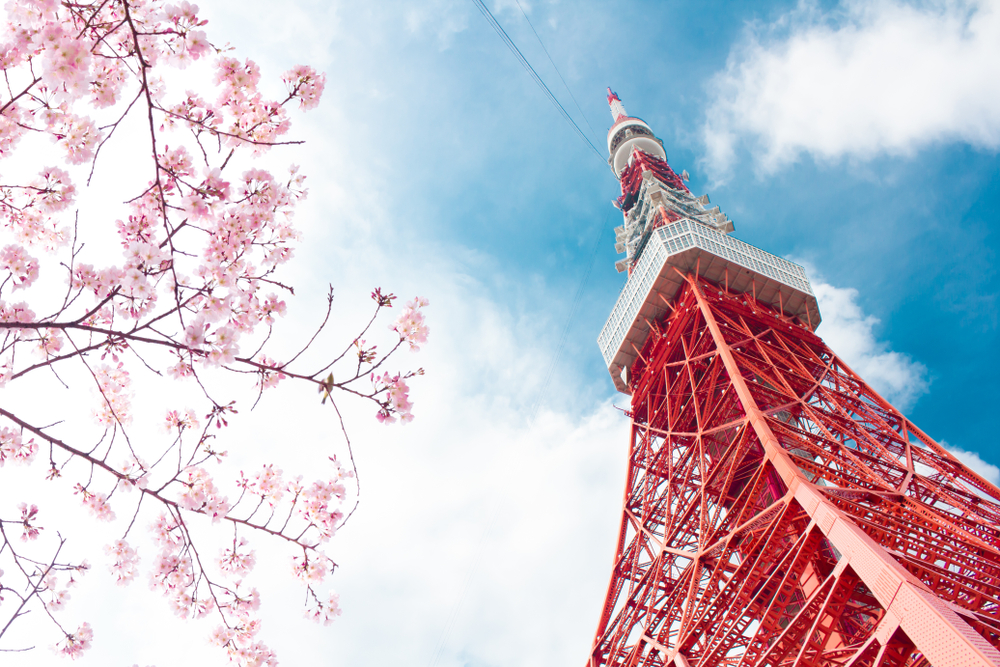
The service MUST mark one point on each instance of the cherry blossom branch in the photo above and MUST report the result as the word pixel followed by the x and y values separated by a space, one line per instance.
pixel 188 299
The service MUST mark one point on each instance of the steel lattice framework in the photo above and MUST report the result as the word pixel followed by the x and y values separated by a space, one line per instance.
pixel 777 510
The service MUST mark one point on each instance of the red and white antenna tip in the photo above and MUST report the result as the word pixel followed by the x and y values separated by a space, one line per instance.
pixel 617 108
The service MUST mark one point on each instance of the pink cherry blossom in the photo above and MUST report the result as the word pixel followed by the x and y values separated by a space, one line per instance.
pixel 114 395
pixel 97 503
pixel 310 570
pixel 23 267
pixel 124 561
pixel 325 612
pixel 73 645
pixel 305 84
pixel 397 401
pixel 199 493
pixel 410 324
pixel 13 447
pixel 29 532
pixel 235 561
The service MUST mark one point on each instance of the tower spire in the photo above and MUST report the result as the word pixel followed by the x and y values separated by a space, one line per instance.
pixel 617 108
pixel 629 133
pixel 653 195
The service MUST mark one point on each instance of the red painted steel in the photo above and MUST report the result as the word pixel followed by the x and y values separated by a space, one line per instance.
pixel 778 511
pixel 631 178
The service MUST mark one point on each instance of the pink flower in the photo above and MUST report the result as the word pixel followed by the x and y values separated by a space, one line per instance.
pixel 124 561
pixel 13 447
pixel 28 514
pixel 397 399
pixel 233 561
pixel 410 324
pixel 315 506
pixel 194 334
pixel 269 378
pixel 166 532
pixel 66 62
pixel 234 77
pixel 304 83
pixel 76 643
pixel 97 503
pixel 78 136
pixel 310 570
pixel 180 421
pixel 22 266
pixel 106 85
pixel 222 635
pixel 114 395
pixel 325 612
pixel 201 495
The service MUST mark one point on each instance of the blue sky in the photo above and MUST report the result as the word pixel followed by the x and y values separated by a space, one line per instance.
pixel 454 175
pixel 860 140
pixel 478 160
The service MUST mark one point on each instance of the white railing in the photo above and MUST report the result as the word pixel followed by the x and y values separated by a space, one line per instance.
pixel 673 239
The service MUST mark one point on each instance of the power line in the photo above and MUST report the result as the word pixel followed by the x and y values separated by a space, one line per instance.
pixel 534 75
pixel 555 67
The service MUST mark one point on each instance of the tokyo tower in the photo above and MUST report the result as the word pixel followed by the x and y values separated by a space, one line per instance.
pixel 777 510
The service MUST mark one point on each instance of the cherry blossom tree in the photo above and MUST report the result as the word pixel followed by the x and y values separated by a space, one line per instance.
pixel 183 287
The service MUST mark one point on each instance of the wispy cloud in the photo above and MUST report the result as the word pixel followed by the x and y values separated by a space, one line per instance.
pixel 851 333
pixel 442 18
pixel 869 78
pixel 987 471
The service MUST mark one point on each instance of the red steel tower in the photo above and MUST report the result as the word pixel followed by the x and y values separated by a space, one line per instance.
pixel 777 510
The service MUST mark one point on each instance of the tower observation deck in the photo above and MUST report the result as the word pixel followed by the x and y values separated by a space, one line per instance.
pixel 777 510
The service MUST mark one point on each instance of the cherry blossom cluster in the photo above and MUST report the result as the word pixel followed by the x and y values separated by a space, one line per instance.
pixel 21 267
pixel 124 561
pixel 324 611
pixel 305 84
pixel 96 502
pixel 14 313
pixel 29 513
pixel 173 572
pixel 319 504
pixel 14 448
pixel 410 324
pixel 58 597
pixel 180 420
pixel 311 570
pixel 31 211
pixel 397 400
pixel 74 644
pixel 114 395
pixel 237 560
pixel 270 373
pixel 200 494
pixel 134 473
pixel 267 484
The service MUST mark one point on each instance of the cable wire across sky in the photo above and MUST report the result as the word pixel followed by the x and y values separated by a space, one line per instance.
pixel 556 68
pixel 534 75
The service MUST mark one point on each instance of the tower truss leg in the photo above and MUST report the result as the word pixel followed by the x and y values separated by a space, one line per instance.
pixel 778 511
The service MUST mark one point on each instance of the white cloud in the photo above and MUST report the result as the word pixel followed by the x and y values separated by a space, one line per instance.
pixel 987 471
pixel 444 18
pixel 418 551
pixel 480 527
pixel 871 78
pixel 851 334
